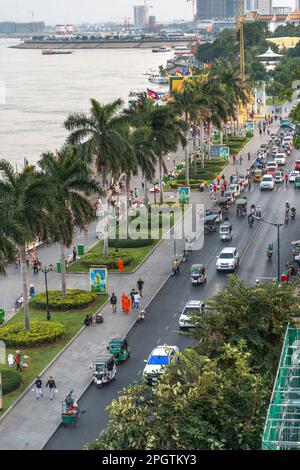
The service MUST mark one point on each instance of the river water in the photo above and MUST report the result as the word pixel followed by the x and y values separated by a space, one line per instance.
pixel 40 91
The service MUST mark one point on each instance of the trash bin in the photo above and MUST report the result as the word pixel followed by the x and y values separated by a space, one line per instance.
pixel 2 314
pixel 58 266
pixel 80 250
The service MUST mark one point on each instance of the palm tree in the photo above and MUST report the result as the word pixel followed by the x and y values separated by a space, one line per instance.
pixel 100 134
pixel 10 232
pixel 26 194
pixel 71 182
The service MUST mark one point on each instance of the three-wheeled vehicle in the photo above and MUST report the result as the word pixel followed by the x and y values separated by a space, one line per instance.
pixel 210 223
pixel 296 250
pixel 104 369
pixel 223 205
pixel 297 182
pixel 258 175
pixel 70 410
pixel 230 195
pixel 118 347
pixel 198 274
pixel 225 231
pixel 241 206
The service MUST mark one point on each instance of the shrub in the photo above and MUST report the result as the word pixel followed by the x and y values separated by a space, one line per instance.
pixel 111 262
pixel 11 381
pixel 76 298
pixel 128 243
pixel 40 333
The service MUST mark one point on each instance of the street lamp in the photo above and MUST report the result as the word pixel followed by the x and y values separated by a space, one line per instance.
pixel 46 270
pixel 173 232
pixel 278 243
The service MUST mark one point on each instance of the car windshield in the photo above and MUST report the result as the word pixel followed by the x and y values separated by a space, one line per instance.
pixel 224 229
pixel 226 255
pixel 99 367
pixel 268 178
pixel 158 360
pixel 191 311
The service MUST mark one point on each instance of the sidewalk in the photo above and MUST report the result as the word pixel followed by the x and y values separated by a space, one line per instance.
pixel 31 423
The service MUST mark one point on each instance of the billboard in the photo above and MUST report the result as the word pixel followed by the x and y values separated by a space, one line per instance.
pixel 250 127
pixel 219 151
pixel 184 195
pixel 98 280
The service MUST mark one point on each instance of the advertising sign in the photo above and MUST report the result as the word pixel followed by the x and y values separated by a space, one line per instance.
pixel 250 127
pixel 219 151
pixel 184 195
pixel 224 153
pixel 98 280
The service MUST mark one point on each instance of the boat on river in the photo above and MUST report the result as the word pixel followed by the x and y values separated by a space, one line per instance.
pixel 55 52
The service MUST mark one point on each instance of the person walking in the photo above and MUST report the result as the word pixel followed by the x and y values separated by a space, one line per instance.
pixel 225 182
pixel 222 189
pixel 74 255
pixel 241 159
pixel 249 184
pixel 38 388
pixel 233 159
pixel 249 156
pixel 52 387
pixel 18 360
pixel 113 302
pixel 137 299
pixel 140 284
pixel 132 294
pixel 286 177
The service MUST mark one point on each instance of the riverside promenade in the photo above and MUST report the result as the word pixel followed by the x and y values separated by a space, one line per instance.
pixel 30 423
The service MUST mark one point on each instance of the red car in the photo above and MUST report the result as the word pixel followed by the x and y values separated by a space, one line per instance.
pixel 297 165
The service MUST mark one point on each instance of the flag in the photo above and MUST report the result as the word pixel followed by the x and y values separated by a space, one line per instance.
pixel 27 164
pixel 178 73
pixel 152 94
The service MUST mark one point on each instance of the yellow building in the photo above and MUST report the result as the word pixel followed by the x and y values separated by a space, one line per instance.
pixel 286 42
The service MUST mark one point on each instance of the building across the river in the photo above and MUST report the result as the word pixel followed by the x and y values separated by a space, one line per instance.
pixel 10 27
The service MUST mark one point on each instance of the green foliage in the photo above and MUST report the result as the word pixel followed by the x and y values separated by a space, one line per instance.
pixel 295 115
pixel 11 381
pixel 258 315
pixel 76 298
pixel 128 243
pixel 111 262
pixel 39 334
pixel 199 403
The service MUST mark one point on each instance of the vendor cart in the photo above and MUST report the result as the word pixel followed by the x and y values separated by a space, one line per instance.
pixel 70 410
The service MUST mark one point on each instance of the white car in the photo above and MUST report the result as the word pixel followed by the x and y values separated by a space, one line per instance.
pixel 288 139
pixel 292 176
pixel 160 357
pixel 278 177
pixel 267 182
pixel 228 259
pixel 192 307
pixel 280 158
pixel 274 150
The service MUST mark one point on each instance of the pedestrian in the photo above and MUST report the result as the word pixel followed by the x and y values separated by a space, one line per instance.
pixel 233 159
pixel 286 177
pixel 137 299
pixel 85 230
pixel 132 294
pixel 38 388
pixel 225 182
pixel 260 131
pixel 140 284
pixel 222 190
pixel 123 299
pixel 31 291
pixel 113 302
pixel 86 321
pixel 215 188
pixel 52 387
pixel 35 265
pixel 218 178
pixel 120 265
pixel 249 184
pixel 127 305
pixel 231 179
pixel 74 254
pixel 241 159
pixel 249 156
pixel 18 360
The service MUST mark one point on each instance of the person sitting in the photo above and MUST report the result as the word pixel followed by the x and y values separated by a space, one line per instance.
pixel 86 321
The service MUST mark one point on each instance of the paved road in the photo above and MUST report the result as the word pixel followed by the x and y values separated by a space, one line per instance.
pixel 162 318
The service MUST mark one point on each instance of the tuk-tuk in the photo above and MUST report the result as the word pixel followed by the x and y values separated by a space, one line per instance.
pixel 225 231
pixel 296 250
pixel 223 205
pixel 198 274
pixel 258 175
pixel 104 369
pixel 241 206
pixel 230 195
pixel 210 224
pixel 118 347
pixel 297 182
pixel 70 410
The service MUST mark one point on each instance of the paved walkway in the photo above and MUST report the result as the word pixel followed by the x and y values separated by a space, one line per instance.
pixel 30 423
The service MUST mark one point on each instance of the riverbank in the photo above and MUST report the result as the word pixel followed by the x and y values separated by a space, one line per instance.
pixel 68 44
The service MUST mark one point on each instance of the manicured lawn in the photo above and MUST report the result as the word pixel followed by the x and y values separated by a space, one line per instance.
pixel 40 357
pixel 277 102
pixel 138 255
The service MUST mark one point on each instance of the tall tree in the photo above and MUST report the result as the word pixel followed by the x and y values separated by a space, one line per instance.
pixel 10 234
pixel 27 193
pixel 71 181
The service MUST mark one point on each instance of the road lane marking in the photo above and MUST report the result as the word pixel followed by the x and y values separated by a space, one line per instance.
pixel 158 341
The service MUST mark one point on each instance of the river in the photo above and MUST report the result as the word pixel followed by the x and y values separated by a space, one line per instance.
pixel 40 91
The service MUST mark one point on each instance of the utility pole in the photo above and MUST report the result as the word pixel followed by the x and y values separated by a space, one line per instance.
pixel 240 26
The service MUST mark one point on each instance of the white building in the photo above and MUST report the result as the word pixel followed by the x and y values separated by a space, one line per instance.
pixel 140 16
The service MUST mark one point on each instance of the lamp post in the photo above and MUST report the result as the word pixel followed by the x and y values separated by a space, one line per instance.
pixel 278 243
pixel 173 233
pixel 46 270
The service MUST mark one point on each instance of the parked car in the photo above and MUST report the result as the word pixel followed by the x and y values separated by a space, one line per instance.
pixel 267 182
pixel 292 176
pixel 228 259
pixel 275 149
pixel 193 306
pixel 280 159
pixel 160 357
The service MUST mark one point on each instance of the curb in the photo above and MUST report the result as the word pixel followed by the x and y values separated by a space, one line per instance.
pixel 126 333
pixel 48 365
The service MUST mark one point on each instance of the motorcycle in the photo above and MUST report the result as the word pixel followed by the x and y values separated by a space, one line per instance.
pixel 175 270
pixel 141 316
pixel 185 256
pixel 286 218
pixel 293 213
pixel 250 220
pixel 270 251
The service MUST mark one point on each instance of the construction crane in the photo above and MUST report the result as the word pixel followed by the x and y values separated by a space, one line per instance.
pixel 240 27
pixel 147 6
pixel 194 8
pixel 127 23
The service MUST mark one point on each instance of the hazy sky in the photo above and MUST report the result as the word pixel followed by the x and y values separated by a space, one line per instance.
pixel 76 11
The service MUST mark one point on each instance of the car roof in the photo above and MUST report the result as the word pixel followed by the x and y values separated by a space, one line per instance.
pixel 267 176
pixel 194 303
pixel 228 249
pixel 160 350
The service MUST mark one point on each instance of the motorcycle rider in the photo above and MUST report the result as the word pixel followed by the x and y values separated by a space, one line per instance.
pixel 175 266
pixel 293 211
pixel 258 211
pixel 250 219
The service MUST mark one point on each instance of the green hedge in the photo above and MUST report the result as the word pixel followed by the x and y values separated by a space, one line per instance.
pixel 111 262
pixel 76 298
pixel 128 243
pixel 40 333
pixel 11 381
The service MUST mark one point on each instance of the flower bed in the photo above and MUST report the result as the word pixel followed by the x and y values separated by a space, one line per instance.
pixel 76 298
pixel 40 333
pixel 95 259
pixel 11 381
